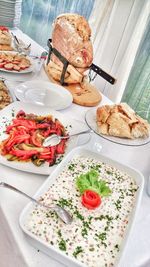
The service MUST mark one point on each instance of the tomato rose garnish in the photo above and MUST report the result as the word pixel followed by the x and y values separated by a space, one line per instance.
pixel 91 199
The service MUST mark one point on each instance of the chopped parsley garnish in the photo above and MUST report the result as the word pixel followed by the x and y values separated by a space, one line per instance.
pixel 71 167
pixel 62 202
pixel 84 232
pixel 109 172
pixel 78 215
pixel 101 236
pixel 59 233
pixel 59 159
pixel 62 245
pixel 118 204
pixel 78 250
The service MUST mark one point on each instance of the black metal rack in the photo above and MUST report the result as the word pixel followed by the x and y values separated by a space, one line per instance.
pixel 93 67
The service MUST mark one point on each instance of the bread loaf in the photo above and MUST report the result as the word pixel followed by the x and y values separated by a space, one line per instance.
pixel 121 121
pixel 71 37
pixel 5 39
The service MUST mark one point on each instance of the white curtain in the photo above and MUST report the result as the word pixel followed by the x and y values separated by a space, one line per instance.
pixel 117 27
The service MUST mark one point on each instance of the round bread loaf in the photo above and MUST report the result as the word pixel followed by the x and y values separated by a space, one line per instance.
pixel 71 37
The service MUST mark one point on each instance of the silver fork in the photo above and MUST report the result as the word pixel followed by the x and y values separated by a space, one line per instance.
pixel 61 212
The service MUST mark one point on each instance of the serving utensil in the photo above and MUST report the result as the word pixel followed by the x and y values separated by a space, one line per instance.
pixel 61 212
pixel 40 61
pixel 15 37
pixel 3 79
pixel 55 139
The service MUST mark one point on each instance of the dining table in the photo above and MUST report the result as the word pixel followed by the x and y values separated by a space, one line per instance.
pixel 15 249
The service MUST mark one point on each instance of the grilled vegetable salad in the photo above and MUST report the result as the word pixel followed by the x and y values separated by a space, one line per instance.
pixel 26 134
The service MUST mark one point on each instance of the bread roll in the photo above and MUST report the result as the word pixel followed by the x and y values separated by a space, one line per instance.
pixel 121 121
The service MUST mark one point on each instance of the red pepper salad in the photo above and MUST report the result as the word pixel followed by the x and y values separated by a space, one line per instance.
pixel 26 134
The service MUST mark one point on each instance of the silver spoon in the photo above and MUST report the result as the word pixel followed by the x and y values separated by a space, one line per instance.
pixel 55 139
pixel 62 213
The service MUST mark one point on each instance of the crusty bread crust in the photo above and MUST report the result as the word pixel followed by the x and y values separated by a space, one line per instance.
pixel 5 47
pixel 5 38
pixel 71 37
pixel 121 121
pixel 79 23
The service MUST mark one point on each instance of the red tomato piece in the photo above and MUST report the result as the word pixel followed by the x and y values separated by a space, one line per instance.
pixel 4 28
pixel 16 62
pixel 8 66
pixel 22 67
pixel 91 199
pixel 16 67
pixel 2 64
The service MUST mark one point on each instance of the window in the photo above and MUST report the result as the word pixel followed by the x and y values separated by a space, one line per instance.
pixel 38 15
pixel 137 92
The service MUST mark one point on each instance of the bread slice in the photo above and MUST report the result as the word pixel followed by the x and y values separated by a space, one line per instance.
pixel 5 38
pixel 4 47
pixel 121 121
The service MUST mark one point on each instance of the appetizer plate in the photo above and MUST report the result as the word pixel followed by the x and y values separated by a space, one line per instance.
pixel 8 113
pixel 9 96
pixel 46 247
pixel 27 70
pixel 90 118
pixel 44 94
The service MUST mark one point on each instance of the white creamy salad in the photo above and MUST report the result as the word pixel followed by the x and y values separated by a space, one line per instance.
pixel 95 236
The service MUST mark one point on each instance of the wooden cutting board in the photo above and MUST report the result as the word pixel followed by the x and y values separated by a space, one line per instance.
pixel 84 94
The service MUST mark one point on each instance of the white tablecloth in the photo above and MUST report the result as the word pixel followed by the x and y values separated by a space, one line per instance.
pixel 16 251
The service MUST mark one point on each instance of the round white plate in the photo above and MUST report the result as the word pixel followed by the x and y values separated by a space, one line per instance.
pixel 90 118
pixel 9 113
pixel 30 69
pixel 44 94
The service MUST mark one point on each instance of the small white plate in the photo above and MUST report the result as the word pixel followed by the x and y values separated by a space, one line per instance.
pixel 90 118
pixel 8 113
pixel 44 94
pixel 27 70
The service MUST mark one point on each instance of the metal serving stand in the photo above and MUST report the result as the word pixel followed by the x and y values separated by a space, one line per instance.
pixel 93 68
